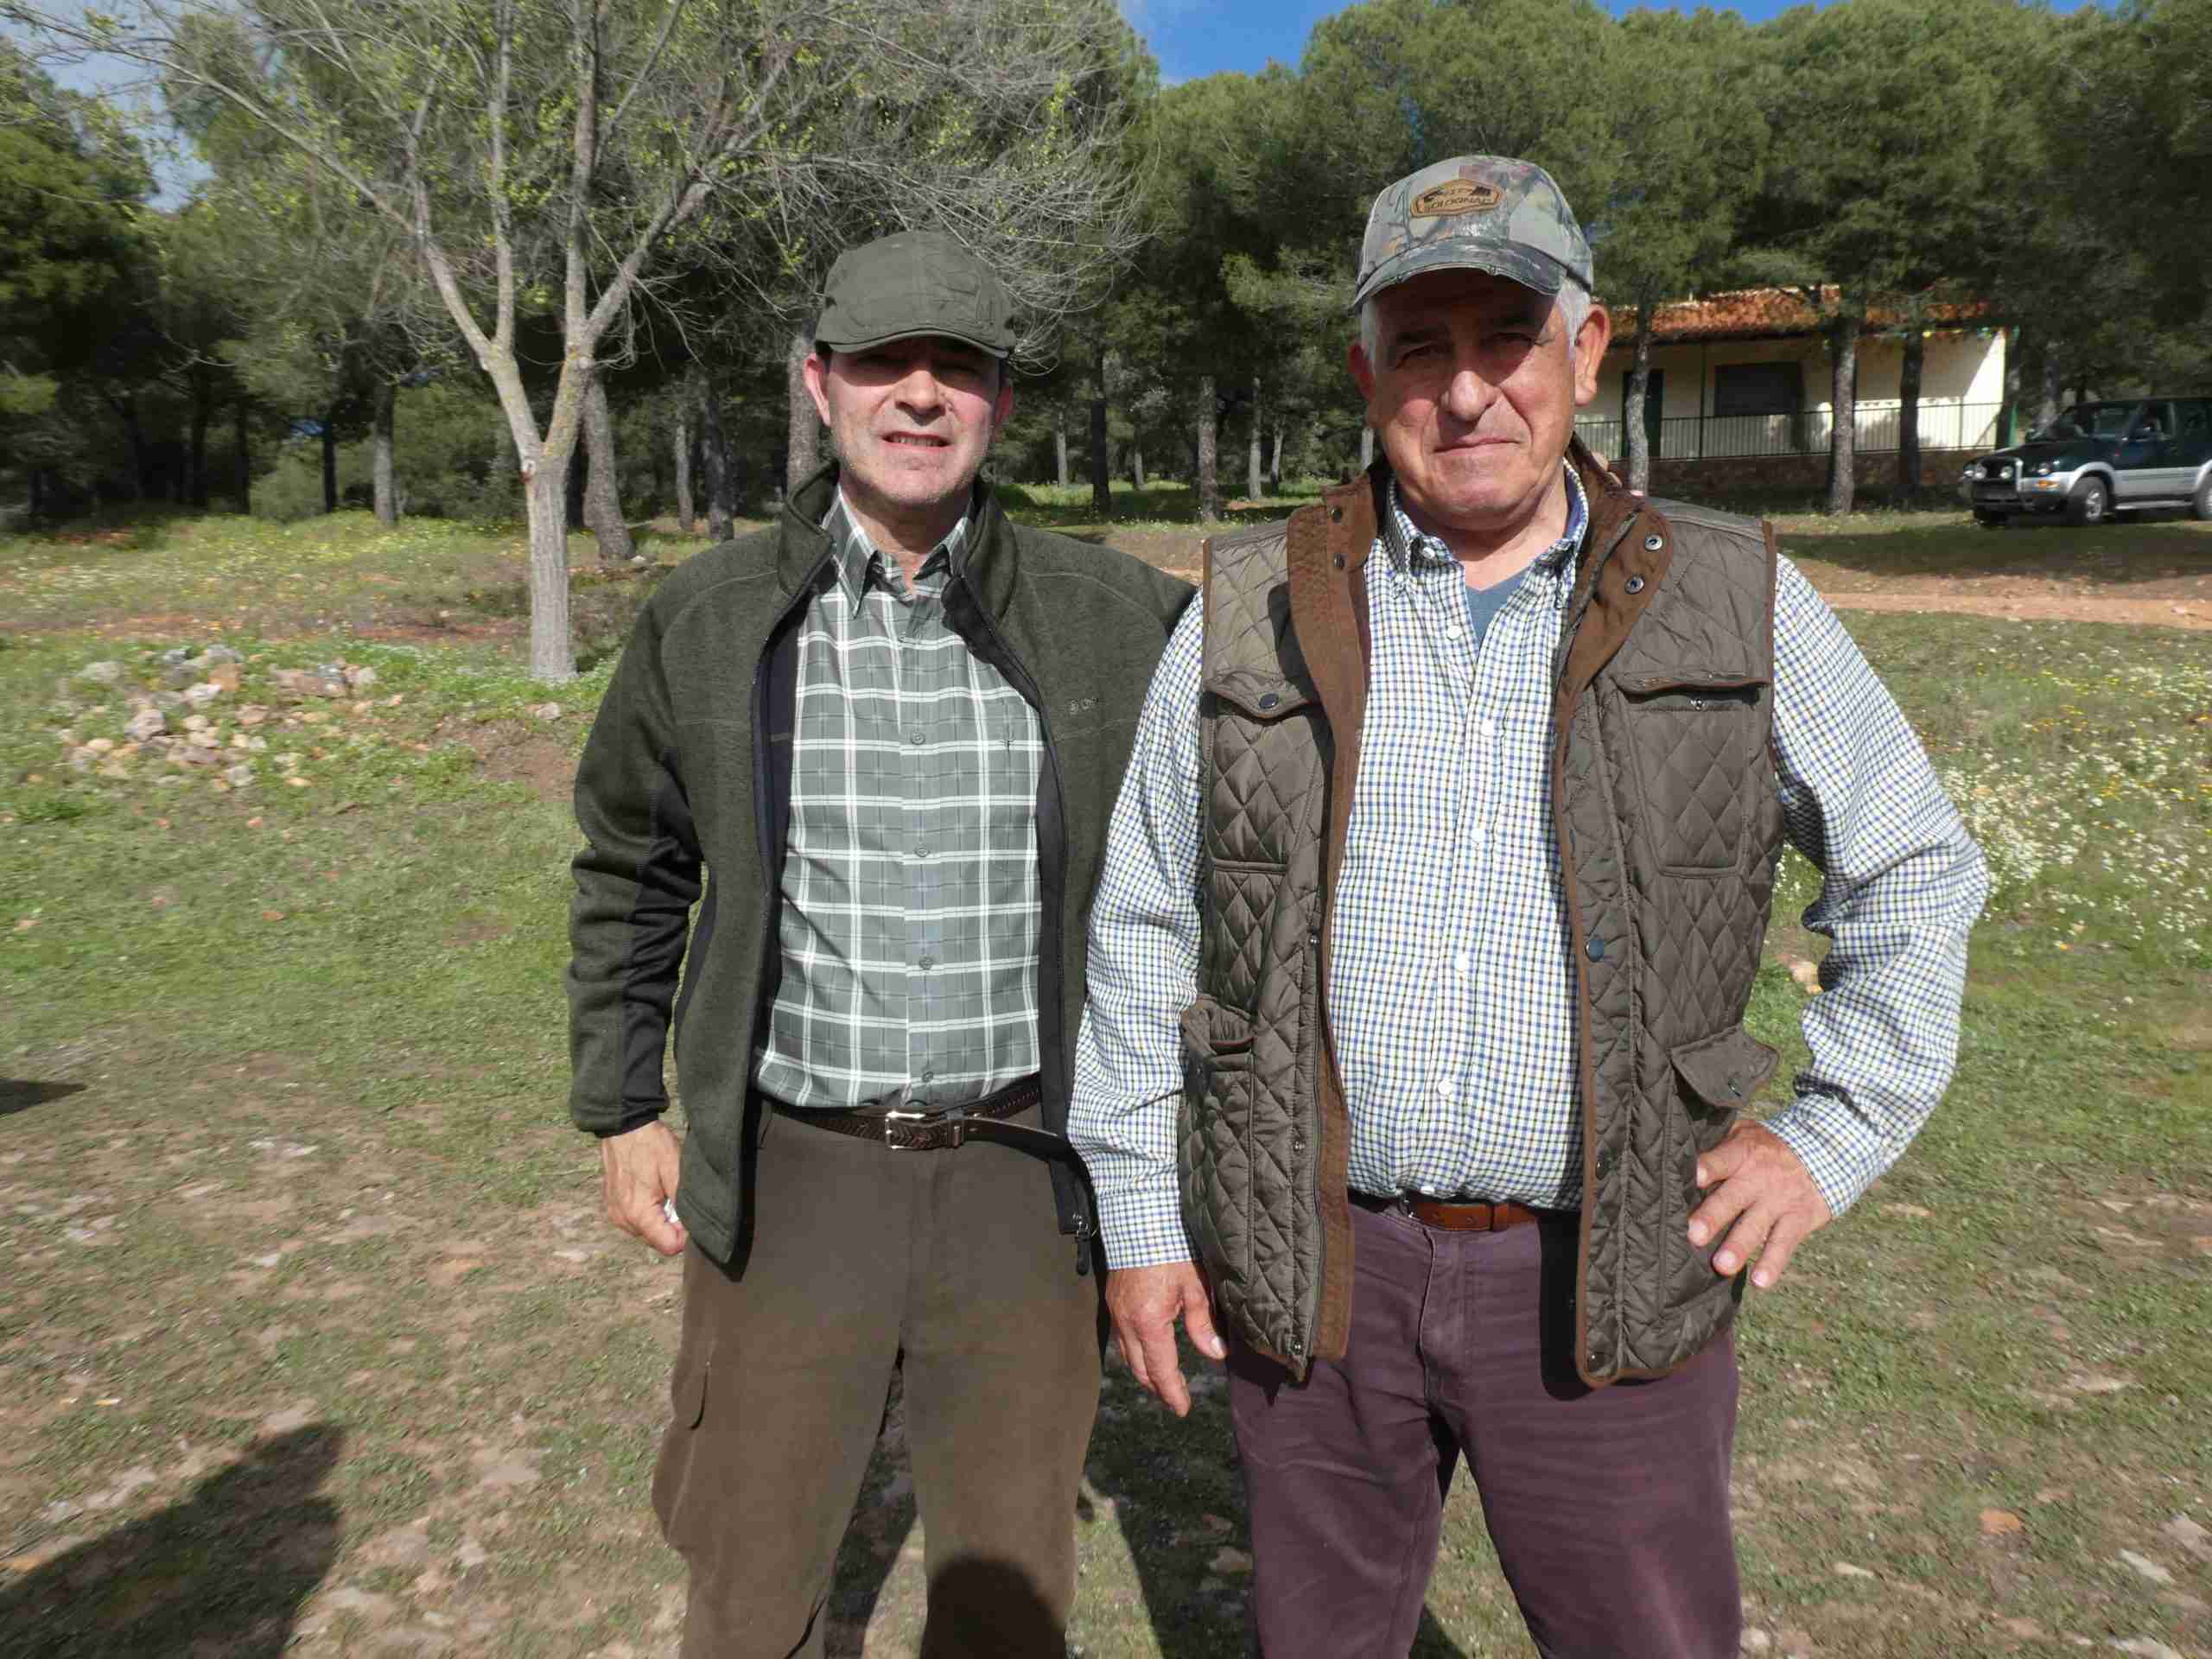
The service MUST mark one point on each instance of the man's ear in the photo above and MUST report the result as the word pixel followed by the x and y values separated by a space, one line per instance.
pixel 815 370
pixel 1590 343
pixel 1362 372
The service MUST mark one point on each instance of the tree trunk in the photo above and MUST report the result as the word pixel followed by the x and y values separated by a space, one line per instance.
pixel 2008 408
pixel 245 457
pixel 1209 469
pixel 545 497
pixel 1255 474
pixel 1636 436
pixel 1136 465
pixel 142 461
pixel 387 499
pixel 1843 459
pixel 686 516
pixel 330 460
pixel 1909 413
pixel 804 453
pixel 1060 448
pixel 602 490
pixel 1102 480
pixel 1366 447
pixel 202 408
pixel 714 457
pixel 1275 463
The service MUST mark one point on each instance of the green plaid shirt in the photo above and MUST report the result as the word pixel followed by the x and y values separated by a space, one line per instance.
pixel 911 902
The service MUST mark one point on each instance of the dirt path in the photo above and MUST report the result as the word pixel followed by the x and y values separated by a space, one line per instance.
pixel 2036 608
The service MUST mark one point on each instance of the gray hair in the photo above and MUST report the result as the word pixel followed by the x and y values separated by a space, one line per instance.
pixel 1573 304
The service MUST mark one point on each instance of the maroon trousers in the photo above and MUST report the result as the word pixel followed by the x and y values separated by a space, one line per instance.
pixel 1609 1507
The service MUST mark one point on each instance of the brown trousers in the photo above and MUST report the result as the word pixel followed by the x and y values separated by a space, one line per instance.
pixel 952 1258
pixel 1609 1507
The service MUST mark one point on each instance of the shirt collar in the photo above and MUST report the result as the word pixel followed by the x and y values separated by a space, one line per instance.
pixel 1408 546
pixel 855 555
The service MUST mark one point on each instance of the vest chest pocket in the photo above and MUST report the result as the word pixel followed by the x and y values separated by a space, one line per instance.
pixel 1694 741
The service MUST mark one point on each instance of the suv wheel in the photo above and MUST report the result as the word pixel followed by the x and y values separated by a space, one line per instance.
pixel 2090 502
pixel 1989 520
pixel 2202 504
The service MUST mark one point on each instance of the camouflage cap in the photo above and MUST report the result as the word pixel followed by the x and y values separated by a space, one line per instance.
pixel 1473 212
pixel 910 284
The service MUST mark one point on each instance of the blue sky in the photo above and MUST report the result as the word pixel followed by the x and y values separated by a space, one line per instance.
pixel 1193 38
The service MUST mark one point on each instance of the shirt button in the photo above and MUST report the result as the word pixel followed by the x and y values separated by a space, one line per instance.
pixel 1444 1087
pixel 1475 835
pixel 916 738
pixel 921 852
pixel 926 963
pixel 928 1077
pixel 1487 727
pixel 1463 963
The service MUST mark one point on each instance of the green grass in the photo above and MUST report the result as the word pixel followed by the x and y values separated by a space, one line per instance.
pixel 310 1322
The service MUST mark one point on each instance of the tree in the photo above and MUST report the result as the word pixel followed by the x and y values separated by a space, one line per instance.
pixel 1882 129
pixel 72 254
pixel 1693 136
pixel 570 152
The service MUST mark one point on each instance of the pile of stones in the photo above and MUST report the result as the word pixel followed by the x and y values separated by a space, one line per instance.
pixel 168 722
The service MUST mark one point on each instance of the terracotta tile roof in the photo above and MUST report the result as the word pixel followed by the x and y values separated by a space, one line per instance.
pixel 1764 314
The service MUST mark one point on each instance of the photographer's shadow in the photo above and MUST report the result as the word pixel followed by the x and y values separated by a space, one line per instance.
pixel 226 1570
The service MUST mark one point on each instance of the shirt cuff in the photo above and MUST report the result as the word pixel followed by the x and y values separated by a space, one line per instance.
pixel 1841 1151
pixel 1139 1211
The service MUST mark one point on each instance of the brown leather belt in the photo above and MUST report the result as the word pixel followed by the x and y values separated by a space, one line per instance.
pixel 1454 1217
pixel 941 1130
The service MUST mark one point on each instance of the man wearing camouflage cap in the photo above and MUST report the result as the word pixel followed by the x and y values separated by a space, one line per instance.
pixel 1414 1055
pixel 890 726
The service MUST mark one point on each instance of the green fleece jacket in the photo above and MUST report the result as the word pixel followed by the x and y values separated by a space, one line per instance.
pixel 685 788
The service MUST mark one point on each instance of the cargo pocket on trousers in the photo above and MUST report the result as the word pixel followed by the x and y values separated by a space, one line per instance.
pixel 679 1449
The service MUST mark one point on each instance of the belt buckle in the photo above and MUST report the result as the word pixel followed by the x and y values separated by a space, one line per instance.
pixel 955 1122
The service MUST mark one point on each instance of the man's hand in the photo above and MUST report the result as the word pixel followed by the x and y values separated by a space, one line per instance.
pixel 638 1174
pixel 1759 1201
pixel 1144 1304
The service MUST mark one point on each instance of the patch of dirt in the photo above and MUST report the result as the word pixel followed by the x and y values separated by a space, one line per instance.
pixel 2032 606
pixel 515 753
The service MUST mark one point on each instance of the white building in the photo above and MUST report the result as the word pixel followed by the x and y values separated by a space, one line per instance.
pixel 1749 374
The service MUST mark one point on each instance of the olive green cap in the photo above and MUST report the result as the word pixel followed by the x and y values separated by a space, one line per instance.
pixel 911 283
pixel 1473 212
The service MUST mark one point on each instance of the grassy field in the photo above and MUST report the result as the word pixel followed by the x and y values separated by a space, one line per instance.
pixel 312 1339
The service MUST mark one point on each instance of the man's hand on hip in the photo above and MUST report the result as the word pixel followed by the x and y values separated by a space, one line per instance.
pixel 637 1175
pixel 1144 1304
pixel 1759 1201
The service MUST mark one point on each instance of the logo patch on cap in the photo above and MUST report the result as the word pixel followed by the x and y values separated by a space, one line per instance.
pixel 1454 197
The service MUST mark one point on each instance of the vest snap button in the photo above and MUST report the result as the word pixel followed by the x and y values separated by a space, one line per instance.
pixel 1270 701
pixel 1597 949
pixel 1653 543
pixel 1340 561
pixel 1736 1087
pixel 1336 515
pixel 1636 584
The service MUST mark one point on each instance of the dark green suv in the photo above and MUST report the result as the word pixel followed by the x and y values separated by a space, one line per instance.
pixel 2099 458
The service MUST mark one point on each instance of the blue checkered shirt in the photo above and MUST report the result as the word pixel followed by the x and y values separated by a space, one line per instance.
pixel 1452 994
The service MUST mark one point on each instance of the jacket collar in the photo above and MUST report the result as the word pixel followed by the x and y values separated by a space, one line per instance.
pixel 988 563
pixel 1330 545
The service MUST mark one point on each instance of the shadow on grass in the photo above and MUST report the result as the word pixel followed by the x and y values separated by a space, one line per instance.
pixel 225 1571
pixel 20 1094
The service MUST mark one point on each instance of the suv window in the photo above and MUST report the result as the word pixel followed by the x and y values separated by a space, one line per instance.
pixel 2156 421
pixel 2196 418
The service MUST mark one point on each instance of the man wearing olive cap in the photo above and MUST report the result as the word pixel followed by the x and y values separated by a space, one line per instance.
pixel 884 734
pixel 1414 1056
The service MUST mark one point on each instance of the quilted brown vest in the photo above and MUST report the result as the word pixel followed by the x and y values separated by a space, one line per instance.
pixel 1663 793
